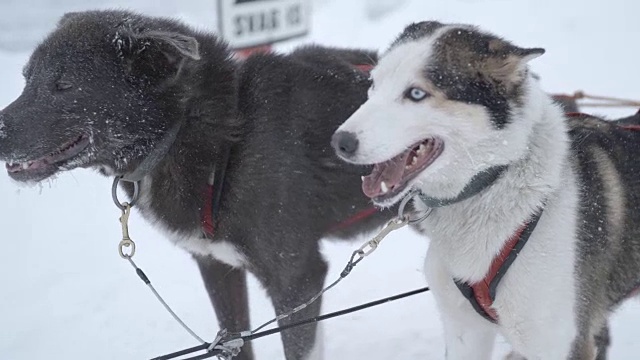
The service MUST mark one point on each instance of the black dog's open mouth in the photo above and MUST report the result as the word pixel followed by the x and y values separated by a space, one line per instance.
pixel 48 164
pixel 390 177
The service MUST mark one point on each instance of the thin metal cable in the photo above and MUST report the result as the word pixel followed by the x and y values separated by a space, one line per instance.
pixel 295 310
pixel 146 280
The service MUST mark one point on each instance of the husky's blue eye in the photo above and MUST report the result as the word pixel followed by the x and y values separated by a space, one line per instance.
pixel 416 94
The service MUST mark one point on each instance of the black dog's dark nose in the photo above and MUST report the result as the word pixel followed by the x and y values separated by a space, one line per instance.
pixel 345 143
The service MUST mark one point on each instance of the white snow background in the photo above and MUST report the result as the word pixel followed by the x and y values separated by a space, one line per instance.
pixel 66 294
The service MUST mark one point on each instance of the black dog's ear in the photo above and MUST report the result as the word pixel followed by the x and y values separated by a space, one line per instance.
pixel 155 54
pixel 185 45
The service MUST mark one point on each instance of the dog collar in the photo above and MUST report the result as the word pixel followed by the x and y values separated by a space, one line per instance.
pixel 479 182
pixel 155 156
pixel 482 294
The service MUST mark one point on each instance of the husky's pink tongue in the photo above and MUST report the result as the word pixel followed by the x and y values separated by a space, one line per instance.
pixel 389 172
pixel 391 176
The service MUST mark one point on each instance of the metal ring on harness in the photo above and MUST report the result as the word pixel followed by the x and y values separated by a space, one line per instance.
pixel 404 203
pixel 114 193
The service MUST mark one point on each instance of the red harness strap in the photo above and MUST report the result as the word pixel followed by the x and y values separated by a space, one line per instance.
pixel 354 219
pixel 482 294
pixel 577 114
pixel 481 288
pixel 631 127
pixel 364 67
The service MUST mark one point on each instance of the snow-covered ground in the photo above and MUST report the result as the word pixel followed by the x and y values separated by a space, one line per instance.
pixel 66 294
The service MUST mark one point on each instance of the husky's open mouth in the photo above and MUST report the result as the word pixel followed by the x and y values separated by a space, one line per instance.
pixel 45 166
pixel 389 178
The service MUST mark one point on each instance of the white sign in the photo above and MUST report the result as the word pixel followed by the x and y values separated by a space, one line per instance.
pixel 249 23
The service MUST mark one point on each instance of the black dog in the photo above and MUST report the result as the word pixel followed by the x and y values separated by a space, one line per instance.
pixel 153 100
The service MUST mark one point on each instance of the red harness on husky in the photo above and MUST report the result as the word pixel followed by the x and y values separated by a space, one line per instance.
pixel 482 293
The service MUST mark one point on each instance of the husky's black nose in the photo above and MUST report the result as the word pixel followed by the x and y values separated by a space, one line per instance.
pixel 345 143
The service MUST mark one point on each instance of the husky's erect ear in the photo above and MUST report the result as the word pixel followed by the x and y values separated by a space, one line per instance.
pixel 416 31
pixel 155 54
pixel 421 29
pixel 507 63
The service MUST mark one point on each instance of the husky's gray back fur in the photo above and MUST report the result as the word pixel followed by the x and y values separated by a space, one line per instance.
pixel 606 157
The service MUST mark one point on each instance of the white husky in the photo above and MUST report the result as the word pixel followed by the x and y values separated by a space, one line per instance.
pixel 454 113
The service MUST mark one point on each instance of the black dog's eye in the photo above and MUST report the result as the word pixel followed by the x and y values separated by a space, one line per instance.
pixel 63 85
pixel 416 94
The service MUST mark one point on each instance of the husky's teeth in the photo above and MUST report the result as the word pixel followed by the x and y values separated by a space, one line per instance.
pixel 25 166
pixel 422 148
pixel 362 178
pixel 383 187
pixel 414 160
